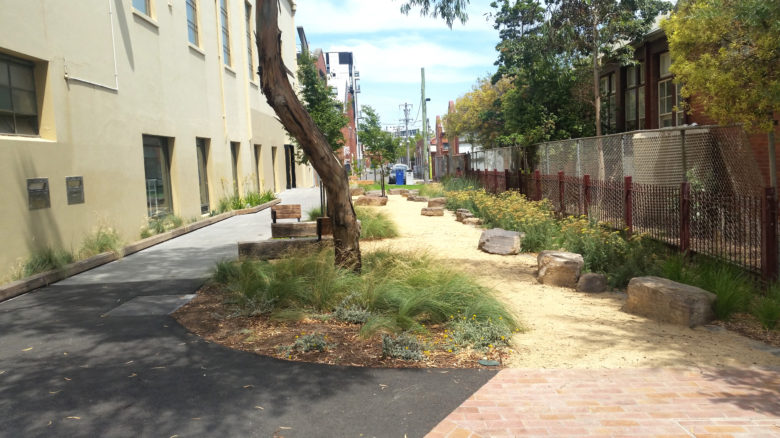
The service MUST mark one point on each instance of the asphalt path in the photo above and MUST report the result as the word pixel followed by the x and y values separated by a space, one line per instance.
pixel 98 355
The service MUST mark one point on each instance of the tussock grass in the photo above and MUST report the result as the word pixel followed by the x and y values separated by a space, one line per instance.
pixel 42 260
pixel 313 214
pixel 103 239
pixel 397 292
pixel 375 224
pixel 432 190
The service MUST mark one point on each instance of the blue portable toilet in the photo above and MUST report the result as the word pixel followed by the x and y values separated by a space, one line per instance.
pixel 400 177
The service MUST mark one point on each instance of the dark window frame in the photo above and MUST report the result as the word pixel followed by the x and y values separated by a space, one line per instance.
pixel 13 115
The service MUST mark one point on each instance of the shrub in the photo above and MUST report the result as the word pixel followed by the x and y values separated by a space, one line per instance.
pixel 375 224
pixel 224 272
pixel 353 309
pixel 767 310
pixel 729 283
pixel 451 183
pixel 254 199
pixel 42 260
pixel 314 213
pixel 404 347
pixel 310 342
pixel 161 224
pixel 103 239
pixel 432 190
pixel 482 334
pixel 675 267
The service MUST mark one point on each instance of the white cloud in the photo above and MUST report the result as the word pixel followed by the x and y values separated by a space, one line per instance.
pixel 399 60
pixel 368 16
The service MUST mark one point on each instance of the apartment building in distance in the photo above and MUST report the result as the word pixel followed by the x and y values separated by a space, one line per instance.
pixel 343 77
pixel 114 111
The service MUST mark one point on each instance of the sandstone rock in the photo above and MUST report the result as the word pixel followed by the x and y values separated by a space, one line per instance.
pixel 396 191
pixel 432 211
pixel 356 191
pixel 592 282
pixel 374 193
pixel 437 202
pixel 664 300
pixel 472 221
pixel 559 268
pixel 416 198
pixel 462 213
pixel 373 201
pixel 498 241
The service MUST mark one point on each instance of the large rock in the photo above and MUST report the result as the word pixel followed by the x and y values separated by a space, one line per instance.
pixel 356 191
pixel 432 211
pixel 665 300
pixel 372 201
pixel 463 213
pixel 416 198
pixel 559 268
pixel 397 191
pixel 592 282
pixel 437 202
pixel 472 221
pixel 498 241
pixel 374 193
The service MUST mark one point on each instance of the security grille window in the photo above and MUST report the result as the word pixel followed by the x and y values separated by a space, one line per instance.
pixel 192 22
pixel 248 8
pixel 75 189
pixel 635 97
pixel 608 105
pixel 38 193
pixel 143 6
pixel 203 177
pixel 18 102
pixel 223 15
pixel 159 201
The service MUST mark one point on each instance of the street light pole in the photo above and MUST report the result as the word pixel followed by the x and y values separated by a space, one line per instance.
pixel 425 152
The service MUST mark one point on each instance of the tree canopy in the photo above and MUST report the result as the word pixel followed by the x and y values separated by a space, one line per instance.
pixel 727 54
pixel 380 145
pixel 325 110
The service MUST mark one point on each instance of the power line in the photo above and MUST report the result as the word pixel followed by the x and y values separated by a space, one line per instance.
pixel 406 107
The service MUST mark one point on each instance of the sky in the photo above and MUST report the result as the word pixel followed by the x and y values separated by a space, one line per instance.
pixel 390 48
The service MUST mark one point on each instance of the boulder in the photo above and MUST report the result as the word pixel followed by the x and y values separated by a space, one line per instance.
pixel 437 202
pixel 498 241
pixel 356 191
pixel 372 201
pixel 416 198
pixel 396 191
pixel 462 213
pixel 472 221
pixel 374 193
pixel 665 300
pixel 559 268
pixel 432 211
pixel 592 282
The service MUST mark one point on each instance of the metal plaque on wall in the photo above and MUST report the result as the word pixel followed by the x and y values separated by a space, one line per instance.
pixel 38 193
pixel 75 188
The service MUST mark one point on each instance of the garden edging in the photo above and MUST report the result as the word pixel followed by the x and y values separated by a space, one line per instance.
pixel 19 287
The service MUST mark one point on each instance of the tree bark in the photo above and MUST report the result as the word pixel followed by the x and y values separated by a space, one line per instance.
pixel 597 93
pixel 282 98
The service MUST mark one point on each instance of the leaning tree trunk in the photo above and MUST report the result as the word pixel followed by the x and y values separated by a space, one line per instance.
pixel 282 98
pixel 597 94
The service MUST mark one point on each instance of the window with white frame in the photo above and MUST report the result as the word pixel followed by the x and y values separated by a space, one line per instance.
pixel 248 10
pixel 18 101
pixel 608 104
pixel 635 97
pixel 192 22
pixel 223 16
pixel 143 6
pixel 670 103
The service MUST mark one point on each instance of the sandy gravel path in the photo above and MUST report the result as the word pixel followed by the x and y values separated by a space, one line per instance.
pixel 567 329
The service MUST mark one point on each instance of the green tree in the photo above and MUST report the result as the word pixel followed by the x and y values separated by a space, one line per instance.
pixel 726 54
pixel 325 110
pixel 380 145
pixel 478 116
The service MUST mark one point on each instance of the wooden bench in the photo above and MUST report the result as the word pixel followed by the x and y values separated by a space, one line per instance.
pixel 286 211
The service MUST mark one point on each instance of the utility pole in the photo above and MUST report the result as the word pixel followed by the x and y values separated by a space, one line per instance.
pixel 424 151
pixel 406 107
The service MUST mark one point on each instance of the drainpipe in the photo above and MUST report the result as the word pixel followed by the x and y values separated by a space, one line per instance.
pixel 115 88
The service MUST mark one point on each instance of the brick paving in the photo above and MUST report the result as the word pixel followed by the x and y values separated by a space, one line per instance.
pixel 659 403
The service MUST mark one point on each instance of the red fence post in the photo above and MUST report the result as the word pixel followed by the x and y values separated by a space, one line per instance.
pixel 507 182
pixel 769 235
pixel 538 184
pixel 627 196
pixel 561 188
pixel 685 217
pixel 586 182
pixel 495 180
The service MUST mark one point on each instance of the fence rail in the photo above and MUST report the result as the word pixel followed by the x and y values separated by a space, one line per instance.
pixel 739 229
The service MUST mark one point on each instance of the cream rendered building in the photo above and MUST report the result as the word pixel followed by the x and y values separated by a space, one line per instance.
pixel 138 98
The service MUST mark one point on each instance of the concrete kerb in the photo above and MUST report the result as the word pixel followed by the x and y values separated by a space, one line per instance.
pixel 19 287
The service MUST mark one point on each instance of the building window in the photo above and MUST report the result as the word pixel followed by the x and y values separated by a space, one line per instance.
pixel 248 8
pixel 159 201
pixel 234 148
pixel 192 22
pixel 635 97
pixel 18 102
pixel 608 104
pixel 670 104
pixel 201 146
pixel 258 164
pixel 143 6
pixel 223 15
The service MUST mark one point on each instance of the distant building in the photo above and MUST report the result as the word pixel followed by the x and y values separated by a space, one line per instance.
pixel 343 76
